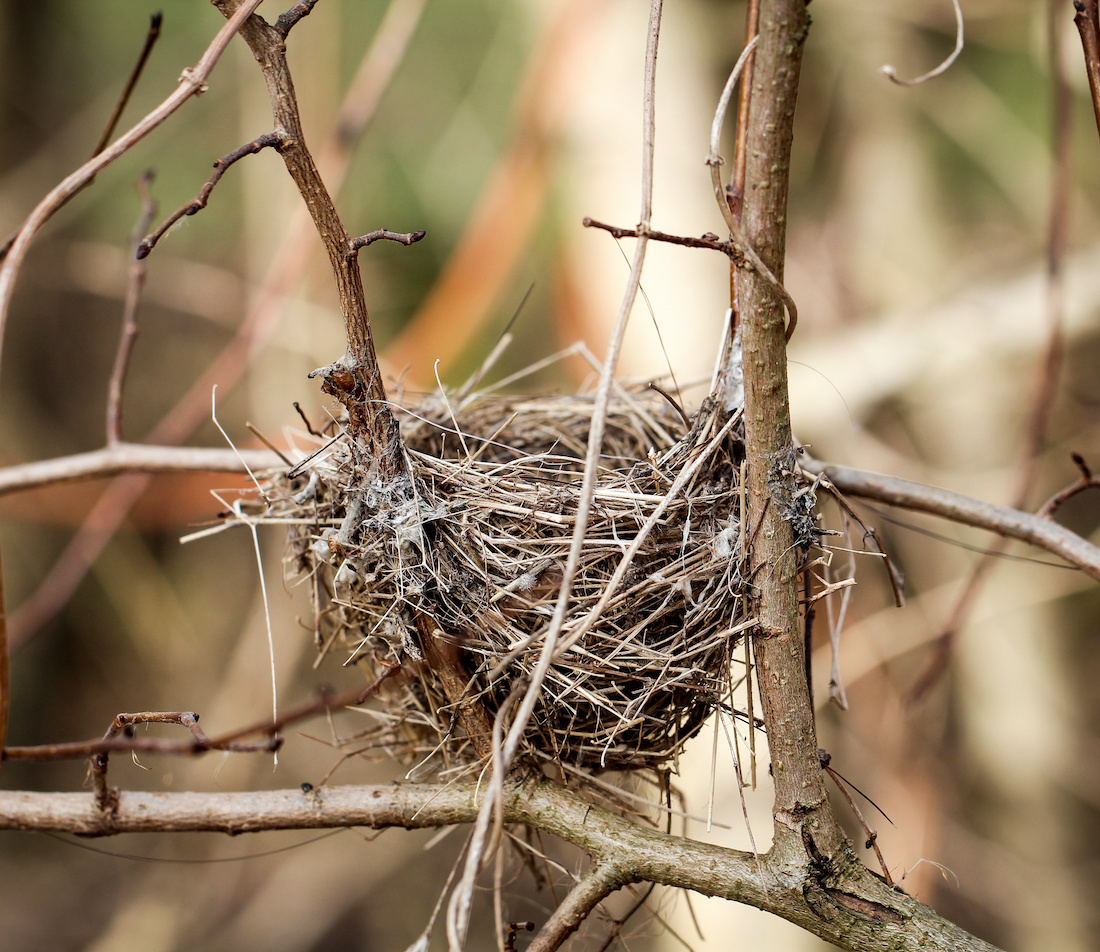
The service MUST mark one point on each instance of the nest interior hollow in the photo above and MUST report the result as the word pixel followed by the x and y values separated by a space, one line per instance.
pixel 471 554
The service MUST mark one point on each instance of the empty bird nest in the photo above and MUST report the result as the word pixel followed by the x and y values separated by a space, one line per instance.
pixel 455 576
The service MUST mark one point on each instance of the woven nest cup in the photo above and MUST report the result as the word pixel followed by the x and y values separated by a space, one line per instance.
pixel 456 577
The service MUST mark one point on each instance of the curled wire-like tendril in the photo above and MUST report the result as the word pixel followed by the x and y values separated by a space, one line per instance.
pixel 891 73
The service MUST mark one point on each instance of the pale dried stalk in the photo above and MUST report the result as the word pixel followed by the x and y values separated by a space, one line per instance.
pixel 458 913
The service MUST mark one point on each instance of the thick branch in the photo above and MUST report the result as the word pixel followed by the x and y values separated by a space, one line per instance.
pixel 804 824
pixel 872 919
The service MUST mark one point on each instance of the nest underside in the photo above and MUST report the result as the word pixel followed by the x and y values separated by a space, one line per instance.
pixel 463 560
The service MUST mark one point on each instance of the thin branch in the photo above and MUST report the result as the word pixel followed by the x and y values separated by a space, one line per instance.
pixel 363 240
pixel 714 161
pixel 872 837
pixel 151 37
pixel 370 419
pixel 964 510
pixel 709 240
pixel 130 458
pixel 287 20
pixel 120 738
pixel 122 728
pixel 287 266
pixel 594 887
pixel 1050 363
pixel 192 82
pixel 268 140
pixel 1088 26
pixel 128 337
pixel 1088 480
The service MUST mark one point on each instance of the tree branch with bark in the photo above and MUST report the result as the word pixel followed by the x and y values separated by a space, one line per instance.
pixel 811 875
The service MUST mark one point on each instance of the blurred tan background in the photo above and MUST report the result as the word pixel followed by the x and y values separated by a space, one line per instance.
pixel 918 224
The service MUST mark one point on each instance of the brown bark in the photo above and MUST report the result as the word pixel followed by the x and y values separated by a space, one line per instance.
pixel 355 379
pixel 803 820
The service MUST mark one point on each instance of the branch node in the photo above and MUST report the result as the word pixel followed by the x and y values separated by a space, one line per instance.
pixel 191 78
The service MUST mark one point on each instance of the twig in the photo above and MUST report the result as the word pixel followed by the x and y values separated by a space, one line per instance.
pixel 872 837
pixel 1088 26
pixel 370 419
pixel 268 140
pixel 890 73
pixel 956 507
pixel 286 21
pixel 286 268
pixel 709 240
pixel 106 798
pixel 128 337
pixel 151 37
pixel 120 738
pixel 594 887
pixel 199 744
pixel 1087 481
pixel 192 82
pixel 129 458
pixel 363 240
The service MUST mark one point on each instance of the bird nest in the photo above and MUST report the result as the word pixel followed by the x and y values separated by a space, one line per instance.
pixel 455 575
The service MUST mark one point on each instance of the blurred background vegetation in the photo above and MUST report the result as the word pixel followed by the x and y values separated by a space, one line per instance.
pixel 918 226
